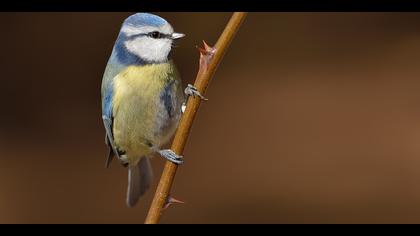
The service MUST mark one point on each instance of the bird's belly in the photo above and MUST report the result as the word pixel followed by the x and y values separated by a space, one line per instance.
pixel 141 121
pixel 134 127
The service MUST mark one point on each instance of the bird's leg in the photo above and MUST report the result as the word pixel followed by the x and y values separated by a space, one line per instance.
pixel 171 156
pixel 190 90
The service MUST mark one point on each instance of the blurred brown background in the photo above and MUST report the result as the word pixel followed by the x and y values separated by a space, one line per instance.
pixel 312 118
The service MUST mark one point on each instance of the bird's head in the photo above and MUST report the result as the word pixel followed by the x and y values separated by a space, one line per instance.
pixel 148 37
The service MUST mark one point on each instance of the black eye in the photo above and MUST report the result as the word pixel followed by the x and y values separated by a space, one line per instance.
pixel 155 34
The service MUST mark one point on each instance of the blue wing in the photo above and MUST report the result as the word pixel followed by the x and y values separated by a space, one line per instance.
pixel 172 97
pixel 167 97
pixel 107 92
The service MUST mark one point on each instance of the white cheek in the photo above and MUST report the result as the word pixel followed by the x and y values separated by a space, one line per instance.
pixel 150 49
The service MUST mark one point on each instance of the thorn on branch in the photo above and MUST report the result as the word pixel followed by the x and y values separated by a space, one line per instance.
pixel 170 200
pixel 206 54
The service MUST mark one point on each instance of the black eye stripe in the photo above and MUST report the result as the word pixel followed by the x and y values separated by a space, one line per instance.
pixel 149 35
pixel 158 35
pixel 154 34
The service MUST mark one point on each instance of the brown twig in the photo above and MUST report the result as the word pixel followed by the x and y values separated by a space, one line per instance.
pixel 209 60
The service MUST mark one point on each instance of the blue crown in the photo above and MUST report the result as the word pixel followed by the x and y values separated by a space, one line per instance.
pixel 141 19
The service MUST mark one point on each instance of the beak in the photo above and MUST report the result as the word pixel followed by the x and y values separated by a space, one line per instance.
pixel 177 35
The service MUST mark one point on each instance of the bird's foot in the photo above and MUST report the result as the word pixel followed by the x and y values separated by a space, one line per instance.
pixel 171 156
pixel 190 90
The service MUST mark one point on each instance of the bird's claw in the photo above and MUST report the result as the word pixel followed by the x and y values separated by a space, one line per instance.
pixel 171 156
pixel 190 90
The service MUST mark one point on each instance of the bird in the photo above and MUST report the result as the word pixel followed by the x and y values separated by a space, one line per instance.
pixel 142 98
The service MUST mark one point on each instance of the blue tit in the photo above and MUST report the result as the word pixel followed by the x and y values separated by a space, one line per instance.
pixel 142 98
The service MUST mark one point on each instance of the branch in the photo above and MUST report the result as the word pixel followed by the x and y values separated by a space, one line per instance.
pixel 209 60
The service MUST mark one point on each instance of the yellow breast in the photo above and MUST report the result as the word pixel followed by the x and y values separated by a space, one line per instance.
pixel 143 81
